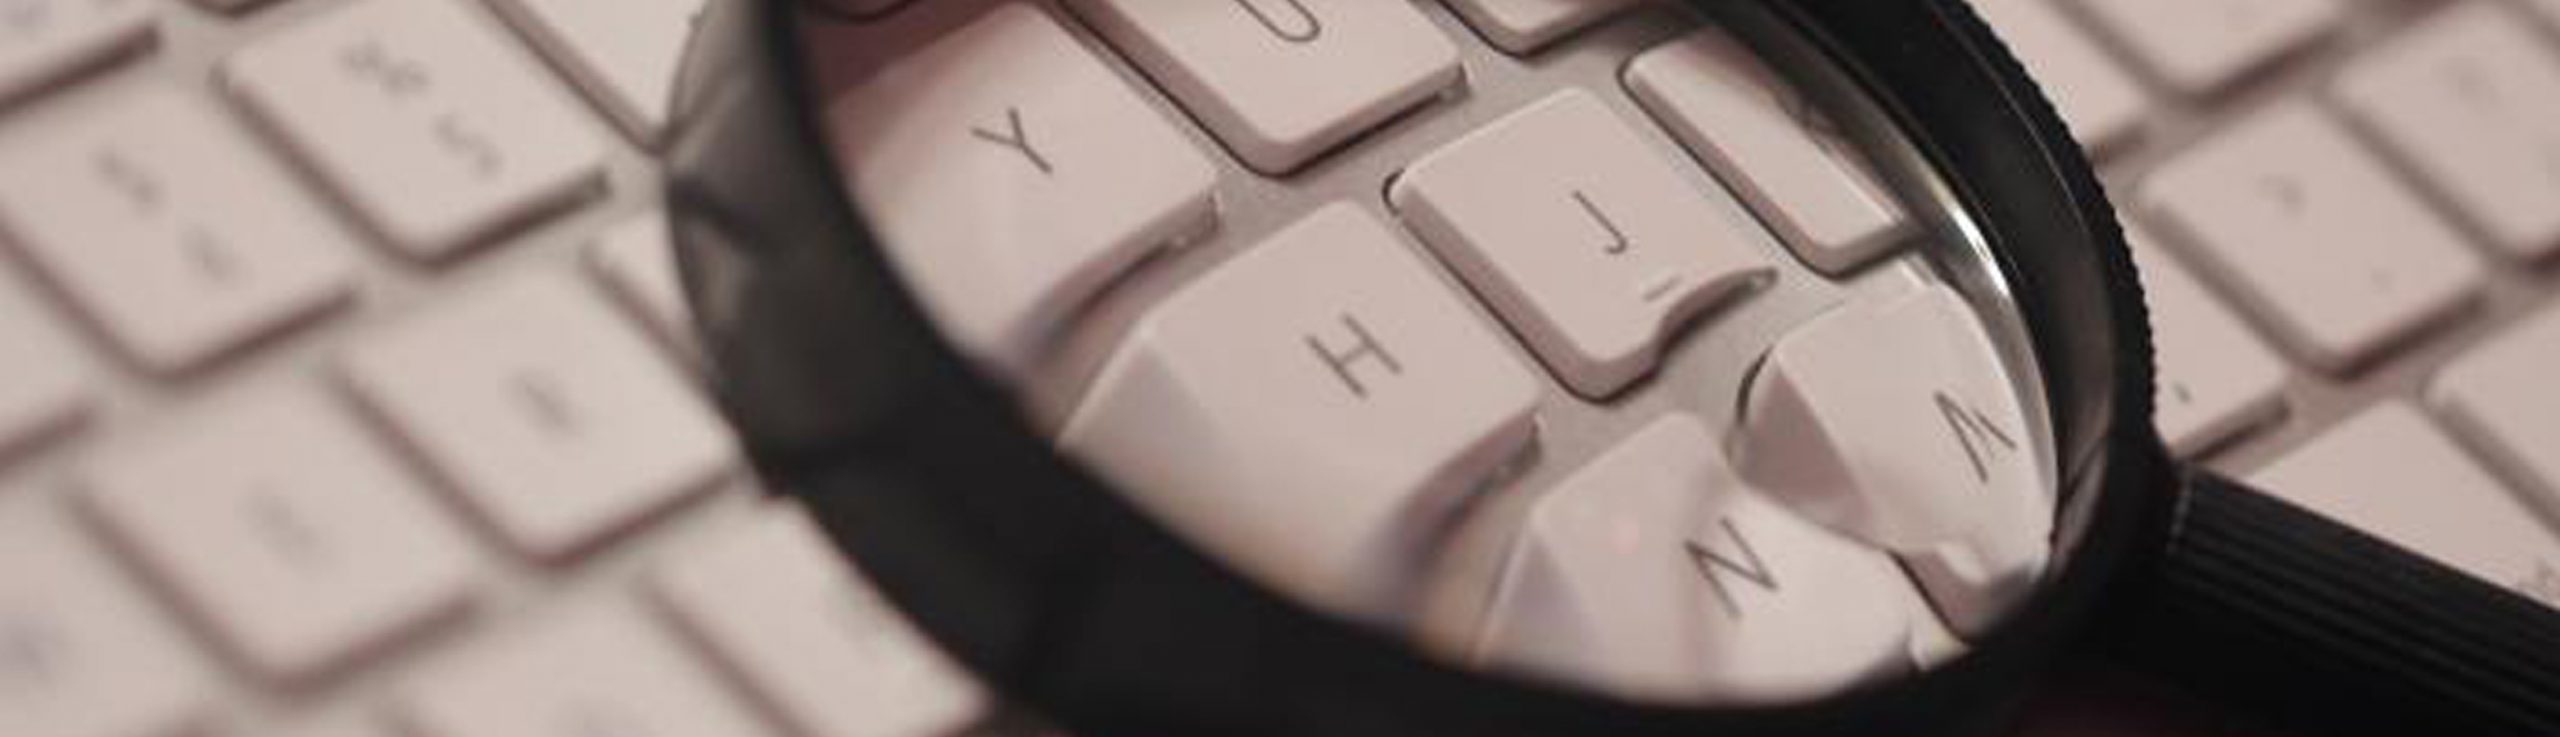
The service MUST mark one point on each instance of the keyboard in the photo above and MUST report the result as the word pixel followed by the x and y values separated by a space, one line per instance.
pixel 384 281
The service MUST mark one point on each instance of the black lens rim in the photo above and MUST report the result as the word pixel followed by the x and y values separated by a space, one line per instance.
pixel 1074 604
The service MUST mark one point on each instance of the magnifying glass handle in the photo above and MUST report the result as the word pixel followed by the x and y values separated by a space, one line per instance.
pixel 2273 605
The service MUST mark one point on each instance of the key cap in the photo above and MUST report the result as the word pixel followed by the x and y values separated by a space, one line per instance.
pixel 44 385
pixel 595 670
pixel 1930 459
pixel 279 523
pixel 1014 176
pixel 441 131
pixel 638 260
pixel 1771 146
pixel 551 417
pixel 2502 395
pixel 2202 46
pixel 170 230
pixel 43 42
pixel 1652 573
pixel 1283 81
pixel 1310 410
pixel 81 653
pixel 1523 26
pixel 776 603
pixel 2216 377
pixel 2098 97
pixel 2392 474
pixel 2471 100
pixel 623 54
pixel 2314 235
pixel 1579 234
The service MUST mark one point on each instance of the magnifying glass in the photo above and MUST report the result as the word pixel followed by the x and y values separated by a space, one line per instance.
pixel 1750 367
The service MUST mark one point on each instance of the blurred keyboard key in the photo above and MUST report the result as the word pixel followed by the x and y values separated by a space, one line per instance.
pixel 637 259
pixel 1312 410
pixel 2503 394
pixel 776 603
pixel 171 230
pixel 1523 26
pixel 2392 474
pixel 2216 377
pixel 551 416
pixel 437 127
pixel 1283 81
pixel 624 53
pixel 1507 205
pixel 1653 572
pixel 44 41
pixel 45 383
pixel 2096 95
pixel 1012 115
pixel 2201 46
pixel 2471 100
pixel 82 654
pixel 300 542
pixel 598 669
pixel 2314 235
pixel 1770 145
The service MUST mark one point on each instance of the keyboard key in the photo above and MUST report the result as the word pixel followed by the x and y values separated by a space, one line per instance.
pixel 171 230
pixel 2502 394
pixel 45 383
pixel 2471 100
pixel 1894 420
pixel 440 130
pixel 1311 410
pixel 278 521
pixel 1770 145
pixel 81 653
pixel 1653 573
pixel 2392 474
pixel 1283 81
pixel 2099 98
pixel 637 258
pixel 624 54
pixel 1507 205
pixel 44 41
pixel 1015 176
pixel 2314 235
pixel 2201 46
pixel 776 603
pixel 595 670
pixel 1523 26
pixel 2216 377
pixel 553 418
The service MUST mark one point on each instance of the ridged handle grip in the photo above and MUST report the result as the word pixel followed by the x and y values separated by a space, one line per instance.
pixel 2273 606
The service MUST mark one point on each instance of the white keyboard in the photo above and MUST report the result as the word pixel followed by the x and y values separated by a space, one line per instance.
pixel 345 390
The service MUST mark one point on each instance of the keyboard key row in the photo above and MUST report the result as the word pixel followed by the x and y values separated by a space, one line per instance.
pixel 2204 46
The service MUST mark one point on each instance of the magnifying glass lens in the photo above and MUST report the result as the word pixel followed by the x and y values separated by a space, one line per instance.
pixel 1629 349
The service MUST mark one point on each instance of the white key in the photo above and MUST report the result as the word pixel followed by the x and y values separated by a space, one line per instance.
pixel 438 127
pixel 45 384
pixel 1283 81
pixel 81 653
pixel 1770 145
pixel 2502 394
pixel 171 230
pixel 2472 101
pixel 1895 421
pixel 637 258
pixel 278 521
pixel 1310 410
pixel 1651 573
pixel 1014 176
pixel 624 54
pixel 44 41
pixel 1579 234
pixel 2392 474
pixel 776 603
pixel 600 668
pixel 2097 96
pixel 2200 46
pixel 2315 236
pixel 551 416
pixel 1523 26
pixel 2216 377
